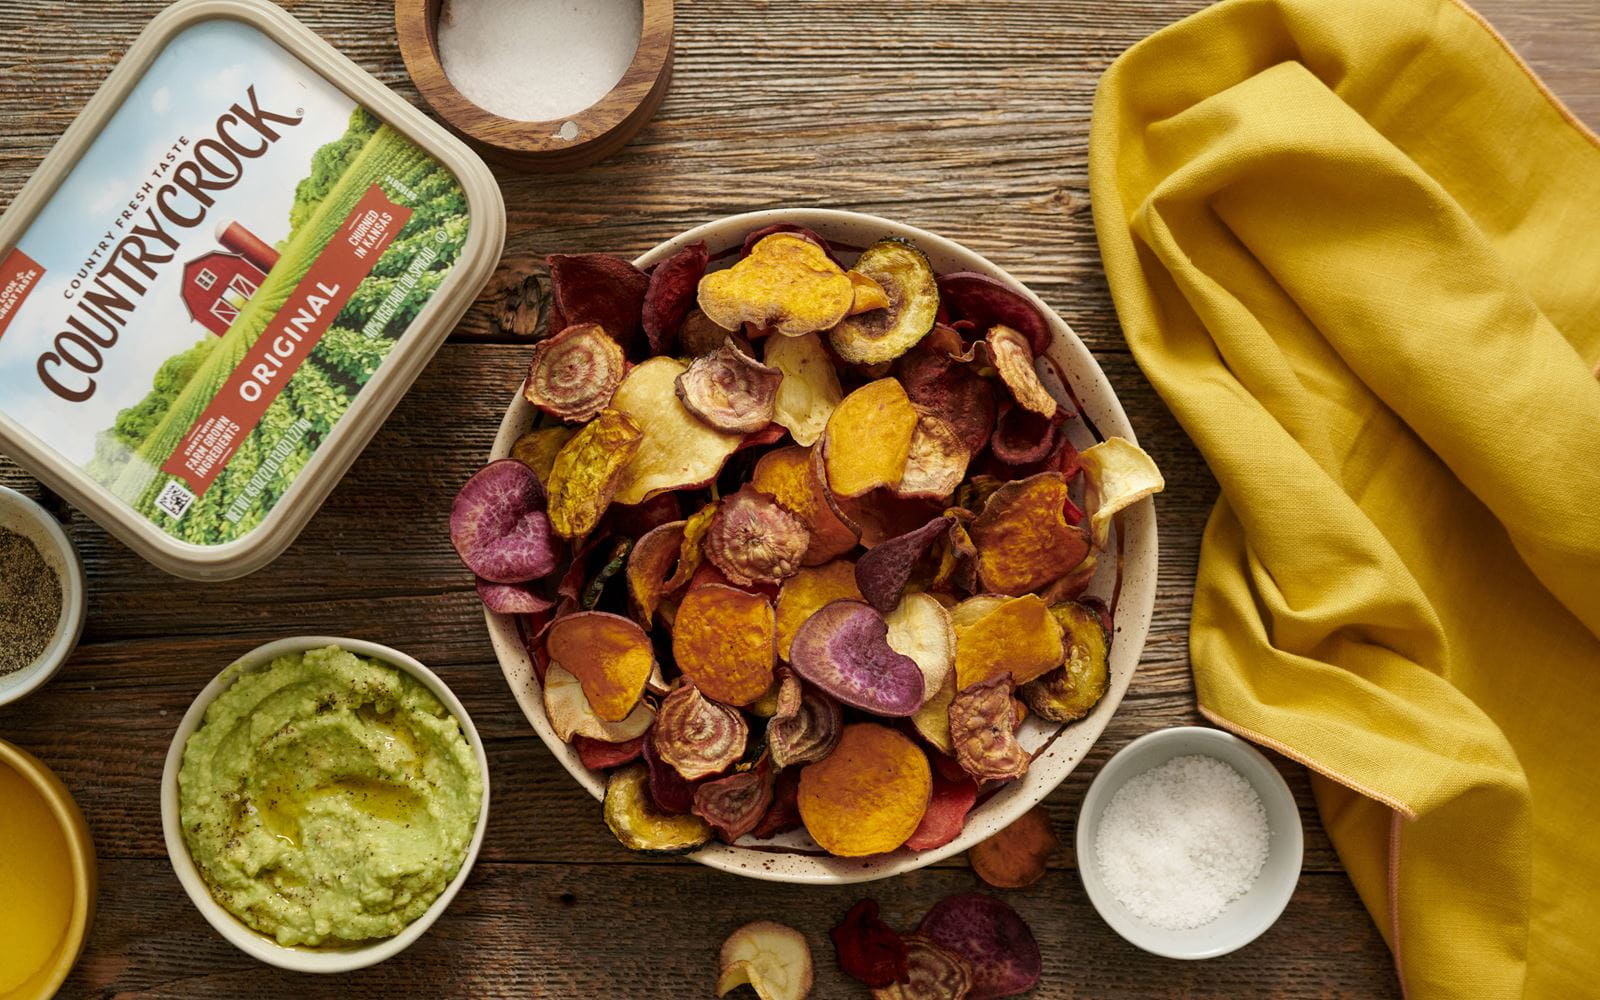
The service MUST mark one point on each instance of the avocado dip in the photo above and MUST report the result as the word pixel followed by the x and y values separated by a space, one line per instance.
pixel 328 798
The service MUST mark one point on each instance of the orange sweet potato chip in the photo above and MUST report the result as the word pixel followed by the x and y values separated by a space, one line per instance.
pixel 1016 857
pixel 807 591
pixel 1023 537
pixel 869 295
pixel 787 475
pixel 867 796
pixel 1018 637
pixel 787 283
pixel 868 439
pixel 537 449
pixel 610 655
pixel 724 640
pixel 678 449
pixel 584 476
pixel 649 565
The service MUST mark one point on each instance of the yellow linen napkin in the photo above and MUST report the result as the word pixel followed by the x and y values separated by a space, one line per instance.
pixel 1355 245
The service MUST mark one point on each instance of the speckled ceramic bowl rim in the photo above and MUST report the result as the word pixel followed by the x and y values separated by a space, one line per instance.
pixel 80 849
pixel 785 859
pixel 247 940
pixel 1259 908
pixel 25 517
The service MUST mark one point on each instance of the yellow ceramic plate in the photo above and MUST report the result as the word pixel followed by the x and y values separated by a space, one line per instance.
pixel 47 876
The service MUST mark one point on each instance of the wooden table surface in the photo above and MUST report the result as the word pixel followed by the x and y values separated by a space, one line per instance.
pixel 969 119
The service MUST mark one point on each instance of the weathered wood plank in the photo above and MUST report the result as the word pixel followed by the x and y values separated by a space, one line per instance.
pixel 600 931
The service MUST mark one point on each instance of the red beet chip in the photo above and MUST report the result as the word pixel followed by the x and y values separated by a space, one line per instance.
pixel 670 295
pixel 783 814
pixel 735 804
pixel 987 302
pixel 954 392
pixel 869 949
pixel 883 571
pixel 992 937
pixel 512 598
pixel 670 792
pixel 1022 437
pixel 498 525
pixel 598 288
pixel 598 755
pixel 947 811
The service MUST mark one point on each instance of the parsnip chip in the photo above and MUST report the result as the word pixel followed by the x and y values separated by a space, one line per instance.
pixel 868 439
pixel 937 461
pixel 786 282
pixel 537 449
pixel 810 387
pixel 932 720
pixel 574 373
pixel 807 592
pixel 772 959
pixel 1072 689
pixel 1117 473
pixel 788 475
pixel 585 474
pixel 1023 537
pixel 906 279
pixel 1019 638
pixel 724 640
pixel 1013 359
pixel 920 628
pixel 678 449
pixel 730 390
pixel 610 655
pixel 570 713
pixel 755 539
pixel 869 795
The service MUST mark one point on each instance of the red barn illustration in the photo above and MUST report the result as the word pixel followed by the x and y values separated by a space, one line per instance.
pixel 216 285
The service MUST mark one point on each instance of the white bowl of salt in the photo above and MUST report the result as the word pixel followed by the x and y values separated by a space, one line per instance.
pixel 1189 843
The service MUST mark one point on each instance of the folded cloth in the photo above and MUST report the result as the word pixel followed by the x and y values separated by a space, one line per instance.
pixel 1355 245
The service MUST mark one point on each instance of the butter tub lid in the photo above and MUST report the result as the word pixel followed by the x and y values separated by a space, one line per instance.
pixel 223 278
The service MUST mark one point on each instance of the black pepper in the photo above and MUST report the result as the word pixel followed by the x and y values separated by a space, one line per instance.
pixel 30 602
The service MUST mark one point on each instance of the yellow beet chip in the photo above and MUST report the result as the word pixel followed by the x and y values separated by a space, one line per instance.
pixel 868 439
pixel 586 471
pixel 678 448
pixel 869 795
pixel 1019 637
pixel 804 594
pixel 724 640
pixel 786 283
pixel 537 449
pixel 810 387
pixel 610 655
pixel 1023 538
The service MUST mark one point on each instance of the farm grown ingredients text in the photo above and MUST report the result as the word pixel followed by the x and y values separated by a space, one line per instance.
pixel 216 163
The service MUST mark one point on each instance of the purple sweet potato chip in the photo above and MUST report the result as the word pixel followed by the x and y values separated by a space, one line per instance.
pixel 512 598
pixel 986 302
pixel 844 650
pixel 597 288
pixel 671 294
pixel 992 937
pixel 883 571
pixel 498 525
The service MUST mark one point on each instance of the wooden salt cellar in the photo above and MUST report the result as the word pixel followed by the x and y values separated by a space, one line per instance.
pixel 561 144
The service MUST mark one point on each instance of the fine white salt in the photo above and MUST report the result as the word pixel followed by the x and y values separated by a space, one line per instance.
pixel 1181 841
pixel 537 60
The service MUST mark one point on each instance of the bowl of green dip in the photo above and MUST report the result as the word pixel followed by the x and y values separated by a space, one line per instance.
pixel 323 801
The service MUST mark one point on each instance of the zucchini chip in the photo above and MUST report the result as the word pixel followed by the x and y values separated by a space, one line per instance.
pixel 880 335
pixel 636 821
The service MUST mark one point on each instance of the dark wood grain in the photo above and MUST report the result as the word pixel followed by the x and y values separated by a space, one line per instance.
pixel 968 119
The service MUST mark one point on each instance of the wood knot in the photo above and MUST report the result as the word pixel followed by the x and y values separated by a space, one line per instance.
pixel 515 297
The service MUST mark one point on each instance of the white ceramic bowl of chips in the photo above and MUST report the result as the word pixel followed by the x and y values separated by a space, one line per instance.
pixel 1056 748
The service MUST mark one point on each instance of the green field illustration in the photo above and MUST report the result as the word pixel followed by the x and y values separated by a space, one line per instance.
pixel 129 454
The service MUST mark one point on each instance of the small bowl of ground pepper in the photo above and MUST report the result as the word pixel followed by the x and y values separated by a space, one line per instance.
pixel 41 596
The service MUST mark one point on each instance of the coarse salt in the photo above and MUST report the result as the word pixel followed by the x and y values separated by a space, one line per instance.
pixel 537 60
pixel 1181 841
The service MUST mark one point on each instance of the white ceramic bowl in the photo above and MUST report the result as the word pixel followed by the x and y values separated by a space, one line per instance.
pixel 1057 749
pixel 1242 920
pixel 28 519
pixel 252 942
